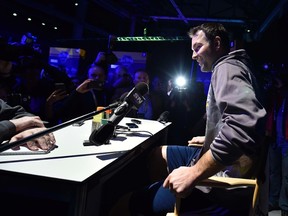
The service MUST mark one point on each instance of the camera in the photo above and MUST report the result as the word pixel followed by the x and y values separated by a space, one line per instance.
pixel 28 39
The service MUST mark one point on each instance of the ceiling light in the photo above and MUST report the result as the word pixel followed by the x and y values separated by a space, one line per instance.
pixel 29 19
pixel 14 14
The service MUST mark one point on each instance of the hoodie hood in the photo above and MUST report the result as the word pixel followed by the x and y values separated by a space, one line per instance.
pixel 240 55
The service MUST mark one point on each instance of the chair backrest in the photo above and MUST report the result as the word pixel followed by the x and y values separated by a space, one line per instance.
pixel 260 196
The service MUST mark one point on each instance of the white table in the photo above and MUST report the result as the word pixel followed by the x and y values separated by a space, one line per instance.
pixel 74 173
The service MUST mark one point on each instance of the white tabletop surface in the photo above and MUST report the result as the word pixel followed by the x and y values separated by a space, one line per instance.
pixel 73 161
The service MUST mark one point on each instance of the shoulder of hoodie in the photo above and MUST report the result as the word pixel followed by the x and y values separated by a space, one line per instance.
pixel 237 57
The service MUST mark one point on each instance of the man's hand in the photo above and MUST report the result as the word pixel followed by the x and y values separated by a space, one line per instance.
pixel 56 95
pixel 27 122
pixel 197 140
pixel 84 86
pixel 44 142
pixel 180 181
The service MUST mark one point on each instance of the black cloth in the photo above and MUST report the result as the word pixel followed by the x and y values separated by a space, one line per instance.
pixel 7 128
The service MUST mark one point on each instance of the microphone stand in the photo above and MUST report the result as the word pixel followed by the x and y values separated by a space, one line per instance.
pixel 7 145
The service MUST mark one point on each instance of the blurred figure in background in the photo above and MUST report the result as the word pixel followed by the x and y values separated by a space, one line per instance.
pixel 145 111
pixel 170 87
pixel 9 57
pixel 187 108
pixel 158 96
pixel 31 91
pixel 122 82
pixel 8 80
pixel 277 132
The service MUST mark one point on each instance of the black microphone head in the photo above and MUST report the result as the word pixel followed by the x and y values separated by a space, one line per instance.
pixel 134 98
pixel 142 88
pixel 102 135
pixel 136 95
pixel 163 117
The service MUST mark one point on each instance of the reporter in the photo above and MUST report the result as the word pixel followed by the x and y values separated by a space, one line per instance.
pixel 16 123
pixel 91 93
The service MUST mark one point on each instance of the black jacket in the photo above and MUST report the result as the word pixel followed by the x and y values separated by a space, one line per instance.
pixel 7 128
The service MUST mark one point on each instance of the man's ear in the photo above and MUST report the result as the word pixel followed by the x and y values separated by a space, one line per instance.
pixel 217 42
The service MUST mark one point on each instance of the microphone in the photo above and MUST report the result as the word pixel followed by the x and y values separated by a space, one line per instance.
pixel 134 98
pixel 163 118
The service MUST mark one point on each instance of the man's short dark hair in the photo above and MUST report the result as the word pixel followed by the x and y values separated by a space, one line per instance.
pixel 212 30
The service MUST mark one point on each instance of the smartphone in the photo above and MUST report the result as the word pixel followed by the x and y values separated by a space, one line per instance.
pixel 60 86
pixel 136 121
pixel 132 125
pixel 95 84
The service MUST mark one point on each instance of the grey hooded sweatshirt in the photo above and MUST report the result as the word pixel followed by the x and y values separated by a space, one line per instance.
pixel 235 115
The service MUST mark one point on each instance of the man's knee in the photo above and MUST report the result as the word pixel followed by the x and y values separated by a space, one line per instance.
pixel 157 165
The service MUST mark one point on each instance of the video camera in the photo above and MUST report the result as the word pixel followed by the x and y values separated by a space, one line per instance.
pixel 28 39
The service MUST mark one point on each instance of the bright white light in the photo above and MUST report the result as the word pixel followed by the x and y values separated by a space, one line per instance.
pixel 14 14
pixel 43 24
pixel 55 28
pixel 29 19
pixel 180 82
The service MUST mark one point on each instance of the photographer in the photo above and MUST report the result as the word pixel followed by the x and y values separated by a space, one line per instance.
pixel 10 54
pixel 12 51
pixel 92 92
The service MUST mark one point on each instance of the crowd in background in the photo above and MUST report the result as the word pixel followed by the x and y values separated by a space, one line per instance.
pixel 50 92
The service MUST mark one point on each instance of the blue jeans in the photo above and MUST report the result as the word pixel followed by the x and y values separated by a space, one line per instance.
pixel 278 171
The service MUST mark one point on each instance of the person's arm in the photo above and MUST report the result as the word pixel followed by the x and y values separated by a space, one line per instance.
pixel 66 108
pixel 183 179
pixel 7 128
pixel 53 98
pixel 9 112
pixel 243 116
pixel 16 123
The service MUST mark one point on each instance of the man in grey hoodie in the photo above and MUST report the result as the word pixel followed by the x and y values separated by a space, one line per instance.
pixel 232 142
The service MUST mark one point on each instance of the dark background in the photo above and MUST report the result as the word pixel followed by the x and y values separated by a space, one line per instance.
pixel 89 25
